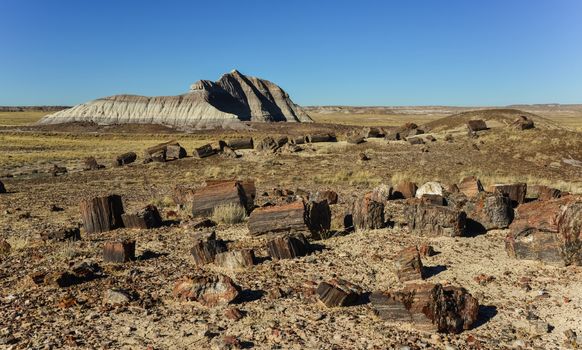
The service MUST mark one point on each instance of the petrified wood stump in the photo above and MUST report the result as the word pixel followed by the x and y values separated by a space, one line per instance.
pixel 288 247
pixel 309 218
pixel 235 259
pixel 205 199
pixel 338 292
pixel 126 158
pixel 408 265
pixel 429 307
pixel 148 217
pixel 205 250
pixel 516 192
pixel 102 214
pixel 204 151
pixel 435 220
pixel 119 252
pixel 367 213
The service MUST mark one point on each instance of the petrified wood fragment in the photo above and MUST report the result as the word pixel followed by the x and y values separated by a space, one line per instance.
pixel 102 214
pixel 435 220
pixel 242 143
pixel 288 246
pixel 470 186
pixel 338 292
pixel 125 158
pixel 489 210
pixel 205 250
pixel 405 189
pixel 367 213
pixel 310 218
pixel 516 192
pixel 408 264
pixel 204 151
pixel 119 251
pixel 235 259
pixel 210 290
pixel 148 217
pixel 215 194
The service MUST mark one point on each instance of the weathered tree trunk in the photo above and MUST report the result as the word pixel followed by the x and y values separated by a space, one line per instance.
pixel 516 192
pixel 436 220
pixel 235 259
pixel 476 125
pixel 102 214
pixel 311 217
pixel 205 250
pixel 470 186
pixel 243 143
pixel 170 150
pixel 408 265
pixel 321 138
pixel 338 292
pixel 119 252
pixel 429 307
pixel 489 211
pixel 204 151
pixel 271 144
pixel 367 213
pixel 205 199
pixel 288 246
pixel 91 164
pixel 405 190
pixel 126 158
pixel 146 218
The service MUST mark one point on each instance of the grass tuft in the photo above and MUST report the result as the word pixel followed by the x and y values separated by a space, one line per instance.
pixel 229 214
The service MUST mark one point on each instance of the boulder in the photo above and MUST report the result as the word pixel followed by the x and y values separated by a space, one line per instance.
pixel 429 307
pixel 435 220
pixel 430 188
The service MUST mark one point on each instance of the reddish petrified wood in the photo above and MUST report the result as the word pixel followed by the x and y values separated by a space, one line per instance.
pixel 429 307
pixel 288 246
pixel 206 248
pixel 470 186
pixel 209 290
pixel 148 217
pixel 119 252
pixel 102 214
pixel 489 210
pixel 338 292
pixel 543 193
pixel 404 190
pixel 367 213
pixel 235 259
pixel 516 192
pixel 310 218
pixel 205 199
pixel 435 220
pixel 408 264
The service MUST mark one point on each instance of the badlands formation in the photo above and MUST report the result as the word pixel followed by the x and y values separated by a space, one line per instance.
pixel 234 97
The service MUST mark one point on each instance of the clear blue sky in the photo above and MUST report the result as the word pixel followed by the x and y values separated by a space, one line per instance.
pixel 446 52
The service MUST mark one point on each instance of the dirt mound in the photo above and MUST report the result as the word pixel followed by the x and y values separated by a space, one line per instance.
pixel 493 117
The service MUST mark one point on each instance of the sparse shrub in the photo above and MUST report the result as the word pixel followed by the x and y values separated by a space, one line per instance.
pixel 229 214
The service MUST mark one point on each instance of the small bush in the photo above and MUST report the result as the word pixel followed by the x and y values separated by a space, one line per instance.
pixel 229 214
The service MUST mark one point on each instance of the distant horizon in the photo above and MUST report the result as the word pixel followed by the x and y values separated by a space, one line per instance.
pixel 325 53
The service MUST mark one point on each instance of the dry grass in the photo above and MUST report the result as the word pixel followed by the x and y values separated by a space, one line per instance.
pixel 229 214
pixel 18 243
pixel 359 177
pixel 21 118
pixel 373 119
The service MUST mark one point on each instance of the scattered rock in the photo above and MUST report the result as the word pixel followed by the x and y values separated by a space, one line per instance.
pixel 210 290
pixel 116 297
pixel 430 188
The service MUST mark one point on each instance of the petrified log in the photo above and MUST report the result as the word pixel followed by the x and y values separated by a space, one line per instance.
pixel 356 139
pixel 516 192
pixel 405 190
pixel 426 250
pixel 243 143
pixel 170 150
pixel 58 170
pixel 211 290
pixel 175 151
pixel 310 217
pixel 329 196
pixel 298 140
pixel 431 187
pixel 550 231
pixel 63 234
pixel 228 152
pixel 543 193
pixel 320 138
pixel 382 193
pixel 91 164
pixel 470 186
pixel 488 210
pixel 235 259
pixel 119 252
pixel 433 199
pixel 271 144
pixel 415 140
pixel 102 214
pixel 288 246
pixel 435 220
pixel 429 307
pixel 205 199
pixel 372 132
pixel 338 292
pixel 367 213
pixel 392 135
pixel 204 250
pixel 204 151
pixel 126 158
pixel 476 125
pixel 522 123
pixel 148 217
pixel 408 264
pixel 2 188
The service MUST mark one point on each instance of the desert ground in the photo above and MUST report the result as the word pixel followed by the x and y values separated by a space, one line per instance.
pixel 523 303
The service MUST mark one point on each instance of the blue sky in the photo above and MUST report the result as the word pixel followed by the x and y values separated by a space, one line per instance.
pixel 470 52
